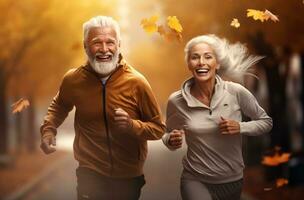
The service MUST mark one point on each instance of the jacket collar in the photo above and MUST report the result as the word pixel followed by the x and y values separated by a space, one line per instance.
pixel 193 102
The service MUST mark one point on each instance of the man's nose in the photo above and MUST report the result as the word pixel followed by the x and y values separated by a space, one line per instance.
pixel 103 48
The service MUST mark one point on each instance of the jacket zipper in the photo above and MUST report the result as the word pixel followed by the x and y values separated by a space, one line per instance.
pixel 106 126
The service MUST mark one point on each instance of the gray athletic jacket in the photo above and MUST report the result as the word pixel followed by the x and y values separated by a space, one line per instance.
pixel 212 157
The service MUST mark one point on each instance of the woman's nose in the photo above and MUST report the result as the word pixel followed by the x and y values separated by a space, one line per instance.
pixel 202 60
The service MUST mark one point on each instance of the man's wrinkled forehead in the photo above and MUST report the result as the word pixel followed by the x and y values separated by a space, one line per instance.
pixel 106 32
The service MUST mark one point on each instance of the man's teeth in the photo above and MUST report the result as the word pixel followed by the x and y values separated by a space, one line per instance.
pixel 103 57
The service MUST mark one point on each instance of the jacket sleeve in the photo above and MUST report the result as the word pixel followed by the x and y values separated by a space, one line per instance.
pixel 260 122
pixel 150 126
pixel 57 111
pixel 173 121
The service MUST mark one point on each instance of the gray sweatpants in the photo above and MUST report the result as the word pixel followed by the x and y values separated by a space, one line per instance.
pixel 197 190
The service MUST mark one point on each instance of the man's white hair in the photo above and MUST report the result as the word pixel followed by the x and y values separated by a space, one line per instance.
pixel 233 59
pixel 101 21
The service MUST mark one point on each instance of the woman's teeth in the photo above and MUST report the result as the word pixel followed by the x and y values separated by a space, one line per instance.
pixel 202 71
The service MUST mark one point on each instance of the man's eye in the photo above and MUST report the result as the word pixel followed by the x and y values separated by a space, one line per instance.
pixel 111 43
pixel 96 43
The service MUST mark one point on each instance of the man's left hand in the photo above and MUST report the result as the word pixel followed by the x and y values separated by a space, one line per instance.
pixel 122 119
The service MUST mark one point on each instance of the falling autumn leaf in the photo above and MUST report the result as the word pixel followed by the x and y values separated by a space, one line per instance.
pixel 173 36
pixel 256 14
pixel 174 24
pixel 235 23
pixel 169 34
pixel 262 16
pixel 20 105
pixel 161 30
pixel 149 24
pixel 276 159
pixel 281 182
pixel 269 15
pixel 170 31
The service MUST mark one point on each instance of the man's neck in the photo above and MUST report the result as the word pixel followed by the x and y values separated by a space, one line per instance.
pixel 104 79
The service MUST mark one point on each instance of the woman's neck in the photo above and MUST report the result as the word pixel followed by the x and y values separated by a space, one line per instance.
pixel 203 91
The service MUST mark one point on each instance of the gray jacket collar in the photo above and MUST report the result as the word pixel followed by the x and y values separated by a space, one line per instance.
pixel 193 102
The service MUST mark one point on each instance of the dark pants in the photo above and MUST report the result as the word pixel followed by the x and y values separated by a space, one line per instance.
pixel 197 190
pixel 93 186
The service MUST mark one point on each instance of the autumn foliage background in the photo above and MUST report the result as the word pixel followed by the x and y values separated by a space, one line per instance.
pixel 42 39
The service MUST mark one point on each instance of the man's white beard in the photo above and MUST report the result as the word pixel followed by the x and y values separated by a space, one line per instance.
pixel 104 68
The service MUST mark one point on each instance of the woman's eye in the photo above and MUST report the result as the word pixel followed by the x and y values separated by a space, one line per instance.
pixel 208 57
pixel 194 57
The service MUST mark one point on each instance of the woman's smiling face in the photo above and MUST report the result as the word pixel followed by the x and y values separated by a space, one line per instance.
pixel 202 62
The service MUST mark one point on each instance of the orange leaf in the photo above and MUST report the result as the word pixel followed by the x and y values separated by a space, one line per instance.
pixel 174 24
pixel 170 31
pixel 161 30
pixel 235 23
pixel 20 105
pixel 169 34
pixel 276 159
pixel 269 15
pixel 284 157
pixel 256 14
pixel 262 16
pixel 281 182
pixel 149 24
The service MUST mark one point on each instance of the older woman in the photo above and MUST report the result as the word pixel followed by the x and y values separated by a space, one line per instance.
pixel 208 111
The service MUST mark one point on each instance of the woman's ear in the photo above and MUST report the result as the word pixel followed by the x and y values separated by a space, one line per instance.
pixel 218 66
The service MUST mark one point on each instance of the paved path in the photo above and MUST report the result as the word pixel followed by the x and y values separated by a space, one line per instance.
pixel 58 185
pixel 162 172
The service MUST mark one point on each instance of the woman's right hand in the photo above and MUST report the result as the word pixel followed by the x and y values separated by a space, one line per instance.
pixel 176 139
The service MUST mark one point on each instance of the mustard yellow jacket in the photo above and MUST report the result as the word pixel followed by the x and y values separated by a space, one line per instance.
pixel 98 144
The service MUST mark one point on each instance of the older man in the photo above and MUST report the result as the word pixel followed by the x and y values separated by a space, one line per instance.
pixel 116 113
